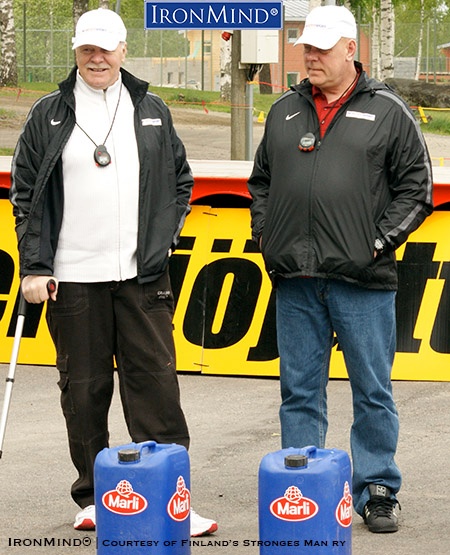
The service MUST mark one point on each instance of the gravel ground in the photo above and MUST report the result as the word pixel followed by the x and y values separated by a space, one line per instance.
pixel 206 135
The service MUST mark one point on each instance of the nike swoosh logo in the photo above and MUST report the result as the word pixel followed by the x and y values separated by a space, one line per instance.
pixel 53 122
pixel 290 116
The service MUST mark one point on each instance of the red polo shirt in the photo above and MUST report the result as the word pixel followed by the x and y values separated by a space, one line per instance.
pixel 327 110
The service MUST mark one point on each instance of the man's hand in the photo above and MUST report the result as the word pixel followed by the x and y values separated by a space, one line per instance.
pixel 36 289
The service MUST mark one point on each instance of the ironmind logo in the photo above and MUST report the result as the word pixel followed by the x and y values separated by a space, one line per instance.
pixel 213 15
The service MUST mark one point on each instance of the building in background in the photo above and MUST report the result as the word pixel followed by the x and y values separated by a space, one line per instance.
pixel 200 67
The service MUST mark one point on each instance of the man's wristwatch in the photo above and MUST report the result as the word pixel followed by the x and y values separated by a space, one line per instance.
pixel 380 246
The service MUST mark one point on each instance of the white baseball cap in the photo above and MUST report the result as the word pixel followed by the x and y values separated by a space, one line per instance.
pixel 103 28
pixel 325 25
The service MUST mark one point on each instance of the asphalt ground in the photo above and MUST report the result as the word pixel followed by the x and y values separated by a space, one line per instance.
pixel 234 423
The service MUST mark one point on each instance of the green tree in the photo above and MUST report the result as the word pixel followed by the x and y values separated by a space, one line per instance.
pixel 410 26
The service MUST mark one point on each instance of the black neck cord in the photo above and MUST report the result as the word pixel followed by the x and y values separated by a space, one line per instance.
pixel 101 155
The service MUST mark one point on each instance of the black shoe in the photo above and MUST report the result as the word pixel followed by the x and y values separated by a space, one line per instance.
pixel 379 511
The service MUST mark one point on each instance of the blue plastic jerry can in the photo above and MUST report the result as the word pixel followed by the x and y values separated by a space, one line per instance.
pixel 305 502
pixel 142 499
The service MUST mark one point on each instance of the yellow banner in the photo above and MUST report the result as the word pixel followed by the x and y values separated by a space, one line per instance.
pixel 225 311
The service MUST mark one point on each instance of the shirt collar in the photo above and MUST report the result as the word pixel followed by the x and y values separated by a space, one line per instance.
pixel 317 93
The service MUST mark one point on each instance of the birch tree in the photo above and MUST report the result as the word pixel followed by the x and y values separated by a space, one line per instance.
pixel 225 67
pixel 8 56
pixel 79 7
pixel 314 4
pixel 375 43
pixel 387 39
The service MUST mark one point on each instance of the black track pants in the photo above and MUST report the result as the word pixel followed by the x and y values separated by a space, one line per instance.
pixel 91 325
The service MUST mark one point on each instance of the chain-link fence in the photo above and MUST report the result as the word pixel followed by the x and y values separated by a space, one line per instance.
pixel 44 48
pixel 192 60
pixel 434 55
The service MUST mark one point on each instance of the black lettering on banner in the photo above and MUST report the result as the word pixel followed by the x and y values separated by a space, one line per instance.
pixel 414 270
pixel 6 278
pixel 31 323
pixel 34 312
pixel 440 336
pixel 203 303
pixel 177 271
pixel 222 245
pixel 178 265
pixel 267 348
pixel 251 247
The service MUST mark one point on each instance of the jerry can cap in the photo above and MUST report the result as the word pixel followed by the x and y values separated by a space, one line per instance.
pixel 295 461
pixel 129 455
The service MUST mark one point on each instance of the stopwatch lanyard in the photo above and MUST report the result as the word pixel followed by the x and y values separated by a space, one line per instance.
pixel 101 155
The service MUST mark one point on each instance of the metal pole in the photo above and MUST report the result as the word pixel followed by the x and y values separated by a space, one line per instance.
pixel 249 121
pixel 283 51
pixel 203 61
pixel 428 52
pixel 52 69
pixel 238 83
pixel 24 42
pixel 161 59
pixel 186 53
pixel 434 49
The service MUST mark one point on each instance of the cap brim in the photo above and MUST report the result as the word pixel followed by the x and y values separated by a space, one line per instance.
pixel 102 41
pixel 322 40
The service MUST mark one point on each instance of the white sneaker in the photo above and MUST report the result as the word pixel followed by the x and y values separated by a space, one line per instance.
pixel 201 526
pixel 85 519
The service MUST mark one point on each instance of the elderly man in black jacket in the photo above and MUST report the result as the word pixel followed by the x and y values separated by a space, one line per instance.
pixel 101 188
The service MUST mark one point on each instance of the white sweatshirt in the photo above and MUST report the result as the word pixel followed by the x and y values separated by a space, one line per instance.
pixel 98 237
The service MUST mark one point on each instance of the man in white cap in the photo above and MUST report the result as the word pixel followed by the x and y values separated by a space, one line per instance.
pixel 341 178
pixel 100 189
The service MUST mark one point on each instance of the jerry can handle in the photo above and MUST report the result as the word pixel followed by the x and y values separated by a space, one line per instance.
pixel 311 451
pixel 147 445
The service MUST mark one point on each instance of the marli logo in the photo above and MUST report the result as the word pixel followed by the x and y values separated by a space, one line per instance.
pixel 123 500
pixel 179 506
pixel 344 509
pixel 293 506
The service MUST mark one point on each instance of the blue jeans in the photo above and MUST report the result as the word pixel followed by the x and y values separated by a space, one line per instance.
pixel 309 310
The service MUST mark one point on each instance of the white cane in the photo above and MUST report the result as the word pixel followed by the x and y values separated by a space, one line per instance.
pixel 12 368
pixel 51 286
